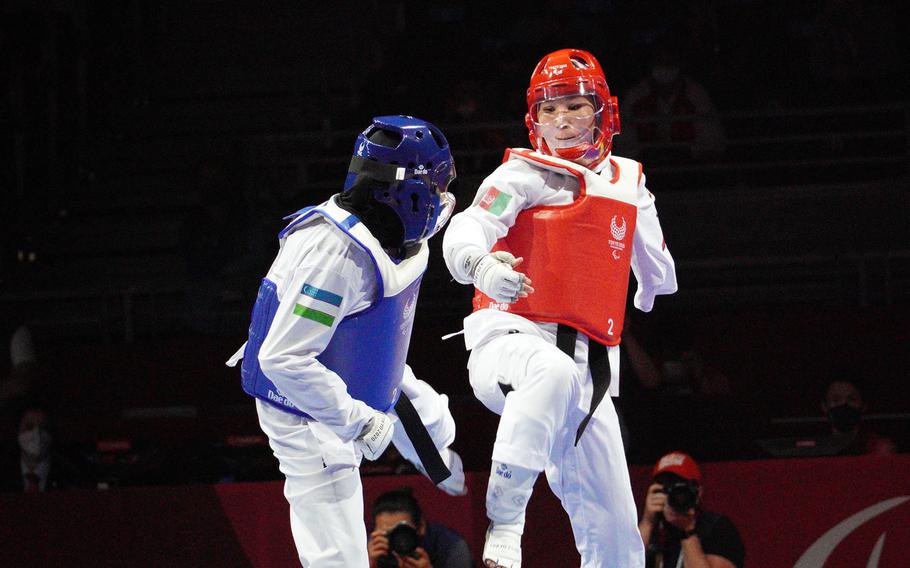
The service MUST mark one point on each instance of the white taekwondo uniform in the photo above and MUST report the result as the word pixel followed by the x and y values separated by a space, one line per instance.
pixel 517 371
pixel 321 276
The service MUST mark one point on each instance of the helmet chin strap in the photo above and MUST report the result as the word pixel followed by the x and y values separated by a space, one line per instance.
pixel 587 156
pixel 579 149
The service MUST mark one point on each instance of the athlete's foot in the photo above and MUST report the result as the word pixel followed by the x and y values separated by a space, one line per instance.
pixel 502 548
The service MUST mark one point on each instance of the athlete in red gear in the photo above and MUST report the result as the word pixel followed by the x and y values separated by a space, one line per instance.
pixel 548 244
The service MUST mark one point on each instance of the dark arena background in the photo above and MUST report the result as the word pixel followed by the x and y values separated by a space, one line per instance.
pixel 149 150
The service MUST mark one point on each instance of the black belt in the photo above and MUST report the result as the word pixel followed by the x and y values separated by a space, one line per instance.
pixel 426 450
pixel 598 362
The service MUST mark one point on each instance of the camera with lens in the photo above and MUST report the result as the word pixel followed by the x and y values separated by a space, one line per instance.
pixel 681 495
pixel 403 539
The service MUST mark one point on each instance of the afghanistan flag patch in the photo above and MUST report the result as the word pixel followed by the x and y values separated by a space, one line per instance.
pixel 495 201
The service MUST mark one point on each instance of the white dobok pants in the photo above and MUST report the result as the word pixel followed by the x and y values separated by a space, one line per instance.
pixel 539 419
pixel 322 476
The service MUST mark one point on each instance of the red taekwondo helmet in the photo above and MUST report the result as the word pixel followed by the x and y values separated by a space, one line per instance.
pixel 573 73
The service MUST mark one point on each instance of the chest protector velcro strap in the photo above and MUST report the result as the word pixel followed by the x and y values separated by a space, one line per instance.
pixel 578 255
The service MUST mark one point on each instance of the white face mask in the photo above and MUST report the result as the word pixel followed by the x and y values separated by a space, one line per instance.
pixel 36 443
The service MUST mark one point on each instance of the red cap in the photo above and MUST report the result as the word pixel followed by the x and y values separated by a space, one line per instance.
pixel 679 463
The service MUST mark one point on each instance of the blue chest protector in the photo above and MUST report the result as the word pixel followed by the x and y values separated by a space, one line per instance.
pixel 368 349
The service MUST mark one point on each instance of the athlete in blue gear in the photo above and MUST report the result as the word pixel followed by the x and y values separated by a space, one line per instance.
pixel 329 338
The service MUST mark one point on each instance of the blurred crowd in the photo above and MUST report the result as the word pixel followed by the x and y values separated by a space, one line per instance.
pixel 675 66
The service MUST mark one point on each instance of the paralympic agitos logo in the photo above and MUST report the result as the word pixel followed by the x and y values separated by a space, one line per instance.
pixel 823 549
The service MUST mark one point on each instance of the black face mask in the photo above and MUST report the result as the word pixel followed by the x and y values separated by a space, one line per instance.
pixel 844 417
pixel 379 218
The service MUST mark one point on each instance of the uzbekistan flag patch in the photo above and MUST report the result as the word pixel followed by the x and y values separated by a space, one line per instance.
pixel 326 302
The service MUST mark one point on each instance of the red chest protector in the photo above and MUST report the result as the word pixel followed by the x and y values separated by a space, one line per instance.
pixel 578 255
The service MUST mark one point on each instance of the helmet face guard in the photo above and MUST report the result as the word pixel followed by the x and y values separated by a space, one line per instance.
pixel 412 161
pixel 573 73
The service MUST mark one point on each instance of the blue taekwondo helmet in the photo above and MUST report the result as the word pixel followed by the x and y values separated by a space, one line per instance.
pixel 412 160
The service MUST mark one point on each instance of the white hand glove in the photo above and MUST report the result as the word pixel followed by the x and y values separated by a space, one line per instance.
pixel 376 436
pixel 495 277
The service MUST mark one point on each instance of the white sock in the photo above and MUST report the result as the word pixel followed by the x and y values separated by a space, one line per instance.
pixel 508 493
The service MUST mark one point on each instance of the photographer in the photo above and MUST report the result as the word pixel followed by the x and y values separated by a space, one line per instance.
pixel 402 538
pixel 676 531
